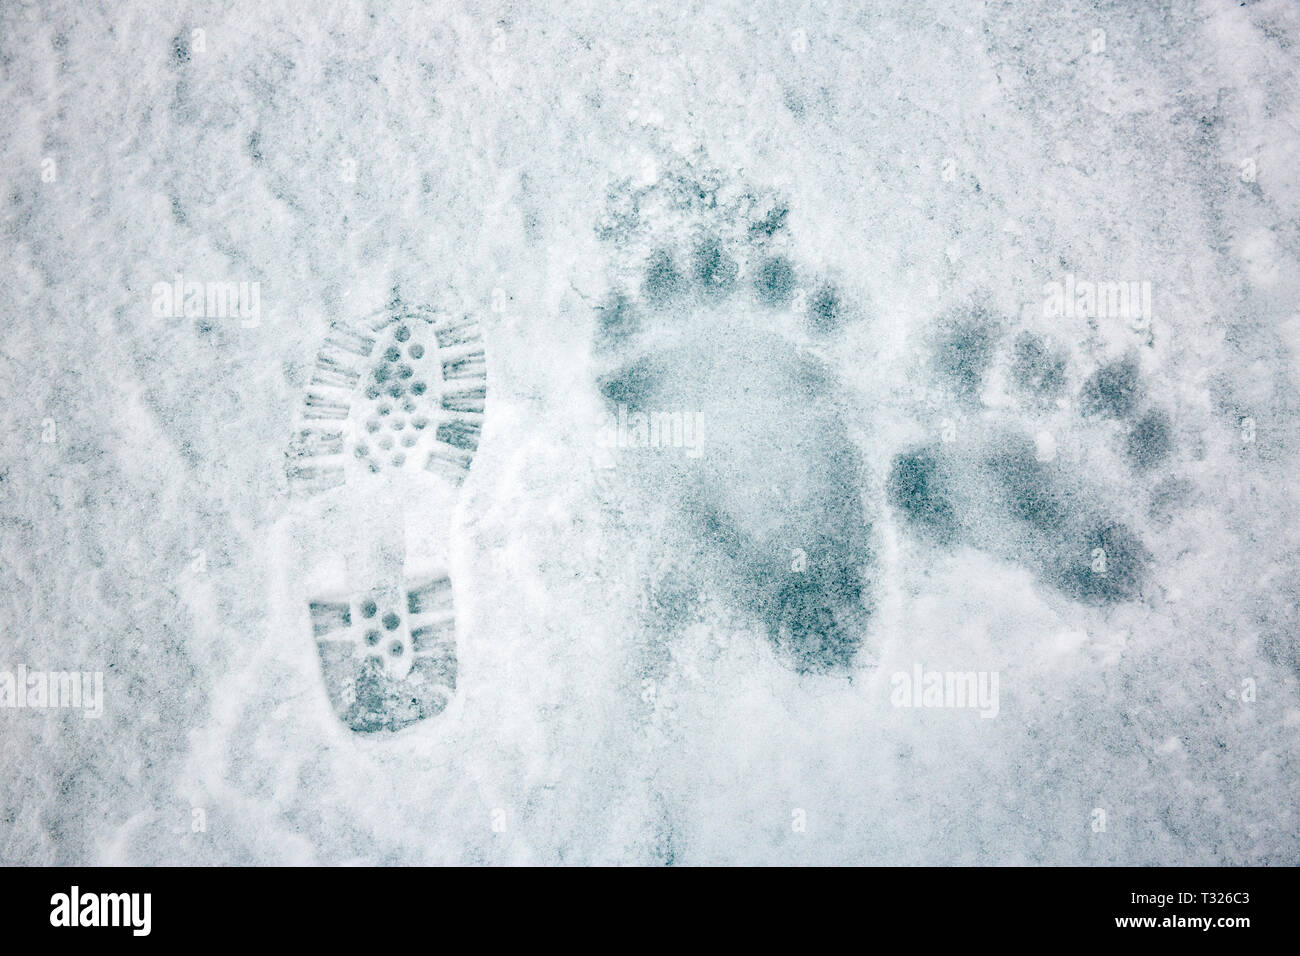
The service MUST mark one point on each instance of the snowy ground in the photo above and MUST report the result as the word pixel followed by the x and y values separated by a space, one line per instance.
pixel 626 692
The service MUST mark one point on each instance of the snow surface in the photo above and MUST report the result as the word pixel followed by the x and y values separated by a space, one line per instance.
pixel 930 155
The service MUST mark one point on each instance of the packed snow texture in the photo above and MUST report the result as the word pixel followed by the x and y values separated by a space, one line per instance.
pixel 851 242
